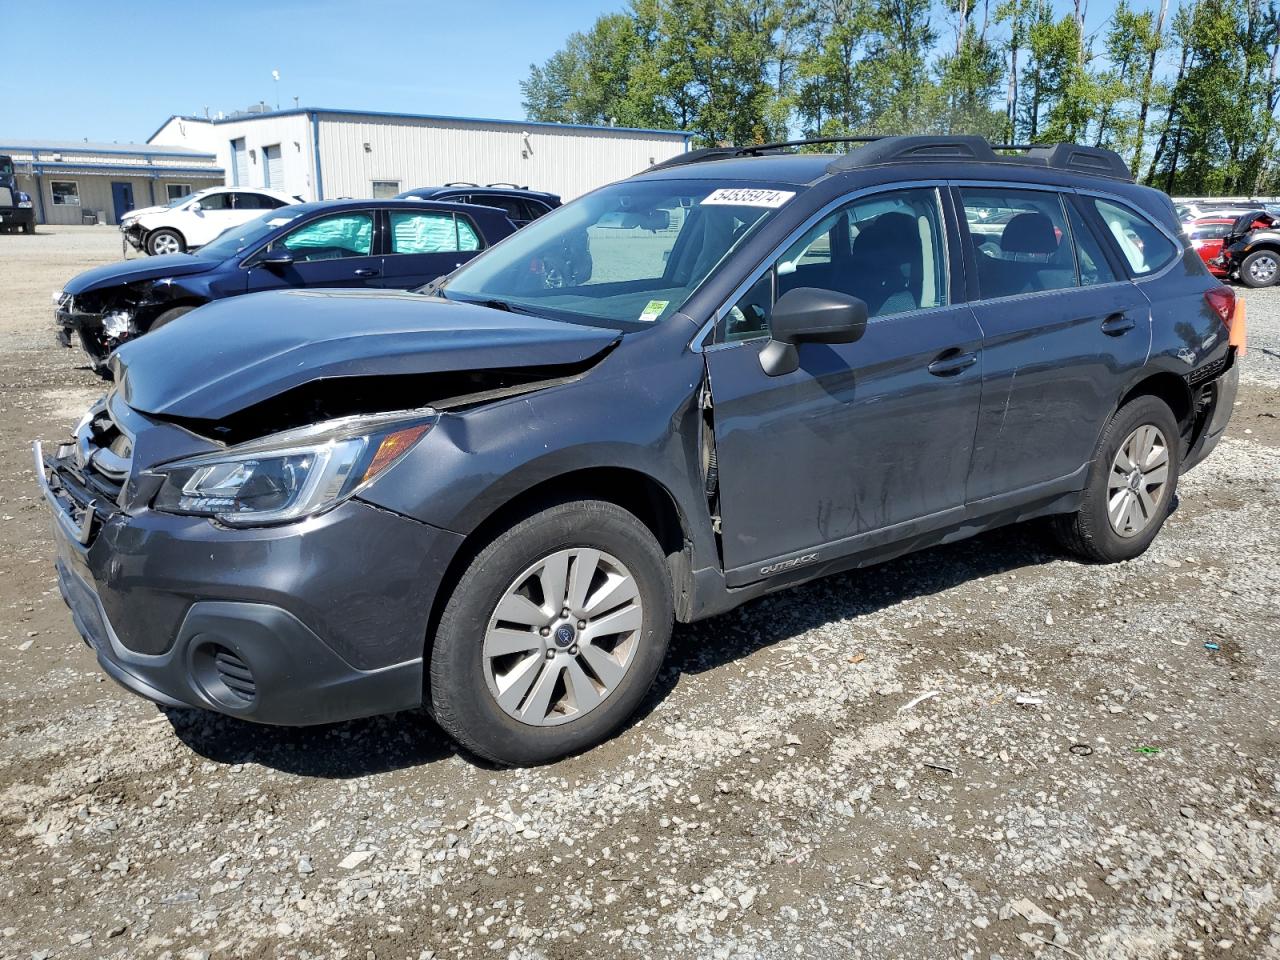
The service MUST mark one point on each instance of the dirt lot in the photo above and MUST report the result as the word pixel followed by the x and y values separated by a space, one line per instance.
pixel 786 791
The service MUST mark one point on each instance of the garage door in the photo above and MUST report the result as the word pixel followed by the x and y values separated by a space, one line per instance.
pixel 239 164
pixel 273 167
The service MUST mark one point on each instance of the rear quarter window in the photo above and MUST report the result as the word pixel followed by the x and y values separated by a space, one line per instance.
pixel 1142 244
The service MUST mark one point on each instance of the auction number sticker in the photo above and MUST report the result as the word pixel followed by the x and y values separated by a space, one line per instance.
pixel 748 197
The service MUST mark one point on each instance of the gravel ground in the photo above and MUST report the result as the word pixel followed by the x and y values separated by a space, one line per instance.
pixel 984 750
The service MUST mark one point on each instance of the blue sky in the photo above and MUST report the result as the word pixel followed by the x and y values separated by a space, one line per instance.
pixel 115 69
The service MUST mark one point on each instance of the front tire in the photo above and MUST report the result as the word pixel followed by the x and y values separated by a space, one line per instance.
pixel 1131 485
pixel 165 241
pixel 1260 268
pixel 173 313
pixel 28 228
pixel 553 635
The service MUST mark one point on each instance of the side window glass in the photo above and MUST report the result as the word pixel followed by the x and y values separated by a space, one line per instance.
pixel 887 250
pixel 1143 245
pixel 1094 268
pixel 1020 239
pixel 420 232
pixel 468 239
pixel 331 238
pixel 215 201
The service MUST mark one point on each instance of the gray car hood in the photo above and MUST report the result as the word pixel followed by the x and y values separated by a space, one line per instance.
pixel 231 354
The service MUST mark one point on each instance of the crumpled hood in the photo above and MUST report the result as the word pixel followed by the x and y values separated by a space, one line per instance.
pixel 131 271
pixel 143 212
pixel 234 353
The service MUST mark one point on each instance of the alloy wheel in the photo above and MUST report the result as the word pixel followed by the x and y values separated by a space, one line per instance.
pixel 562 637
pixel 1263 269
pixel 165 244
pixel 1139 473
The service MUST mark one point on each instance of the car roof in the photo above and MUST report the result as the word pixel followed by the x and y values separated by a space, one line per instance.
pixel 799 169
pixel 349 204
pixel 470 187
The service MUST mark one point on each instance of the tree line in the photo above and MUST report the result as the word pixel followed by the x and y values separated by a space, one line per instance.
pixel 1188 96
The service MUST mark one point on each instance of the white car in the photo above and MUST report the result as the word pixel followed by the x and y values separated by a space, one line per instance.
pixel 194 220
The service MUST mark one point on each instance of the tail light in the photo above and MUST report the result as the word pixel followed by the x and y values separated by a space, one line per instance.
pixel 1223 301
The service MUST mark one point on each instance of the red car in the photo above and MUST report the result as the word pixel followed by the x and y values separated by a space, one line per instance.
pixel 1207 234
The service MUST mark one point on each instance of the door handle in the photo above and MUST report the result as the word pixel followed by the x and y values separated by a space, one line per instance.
pixel 1117 324
pixel 948 365
pixel 366 272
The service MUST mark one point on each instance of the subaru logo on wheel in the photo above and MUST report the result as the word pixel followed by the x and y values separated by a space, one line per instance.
pixel 564 635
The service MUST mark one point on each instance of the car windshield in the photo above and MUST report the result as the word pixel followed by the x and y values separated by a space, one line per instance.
pixel 178 201
pixel 627 255
pixel 245 235
pixel 6 167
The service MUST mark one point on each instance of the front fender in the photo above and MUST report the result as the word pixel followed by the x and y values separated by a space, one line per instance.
pixel 474 462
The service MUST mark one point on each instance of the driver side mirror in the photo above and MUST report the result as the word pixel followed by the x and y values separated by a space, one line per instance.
pixel 277 258
pixel 810 315
pixel 195 207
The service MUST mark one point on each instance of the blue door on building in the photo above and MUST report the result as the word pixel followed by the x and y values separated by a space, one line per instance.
pixel 121 199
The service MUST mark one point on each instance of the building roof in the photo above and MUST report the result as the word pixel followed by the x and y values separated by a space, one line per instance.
pixel 79 147
pixel 383 115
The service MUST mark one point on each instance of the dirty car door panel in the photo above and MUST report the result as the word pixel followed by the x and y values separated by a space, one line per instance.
pixel 863 436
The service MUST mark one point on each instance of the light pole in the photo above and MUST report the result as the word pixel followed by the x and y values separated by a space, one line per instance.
pixel 275 75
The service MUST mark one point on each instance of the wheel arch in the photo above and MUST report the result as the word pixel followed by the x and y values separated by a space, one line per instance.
pixel 646 498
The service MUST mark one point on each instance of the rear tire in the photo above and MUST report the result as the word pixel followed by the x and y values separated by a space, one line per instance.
pixel 165 241
pixel 28 228
pixel 531 685
pixel 1131 485
pixel 1260 268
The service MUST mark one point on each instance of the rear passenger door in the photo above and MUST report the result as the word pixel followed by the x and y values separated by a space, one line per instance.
pixel 1064 331
pixel 867 442
pixel 425 244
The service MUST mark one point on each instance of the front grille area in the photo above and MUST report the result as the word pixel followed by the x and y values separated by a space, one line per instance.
pixel 101 458
pixel 234 674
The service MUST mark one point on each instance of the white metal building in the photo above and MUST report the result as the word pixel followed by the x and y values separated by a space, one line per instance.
pixel 75 181
pixel 322 154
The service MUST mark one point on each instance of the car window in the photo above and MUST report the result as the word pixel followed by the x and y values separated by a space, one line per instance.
pixel 215 201
pixel 257 201
pixel 1140 241
pixel 427 232
pixel 626 256
pixel 887 250
pixel 535 209
pixel 513 207
pixel 1094 268
pixel 1020 240
pixel 330 238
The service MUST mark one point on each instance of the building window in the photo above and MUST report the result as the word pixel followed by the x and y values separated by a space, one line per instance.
pixel 66 193
pixel 177 191
pixel 385 189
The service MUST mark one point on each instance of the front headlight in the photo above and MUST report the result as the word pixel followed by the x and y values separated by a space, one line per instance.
pixel 290 475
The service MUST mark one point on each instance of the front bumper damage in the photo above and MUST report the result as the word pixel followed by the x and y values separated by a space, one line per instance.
pixel 134 235
pixel 312 622
pixel 97 333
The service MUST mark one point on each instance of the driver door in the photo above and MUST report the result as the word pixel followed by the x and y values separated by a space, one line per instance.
pixel 867 442
pixel 336 250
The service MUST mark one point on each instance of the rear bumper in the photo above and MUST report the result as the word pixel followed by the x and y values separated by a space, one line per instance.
pixel 1217 415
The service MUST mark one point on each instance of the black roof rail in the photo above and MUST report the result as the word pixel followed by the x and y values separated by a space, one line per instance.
pixel 871 151
pixel 462 183
pixel 1097 161
pixel 899 149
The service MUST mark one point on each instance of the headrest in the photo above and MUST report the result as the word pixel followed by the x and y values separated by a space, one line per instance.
pixel 1029 233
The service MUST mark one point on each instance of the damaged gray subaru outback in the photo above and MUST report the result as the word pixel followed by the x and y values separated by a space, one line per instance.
pixel 738 371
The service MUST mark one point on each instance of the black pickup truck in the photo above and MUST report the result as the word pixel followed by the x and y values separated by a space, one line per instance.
pixel 16 212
